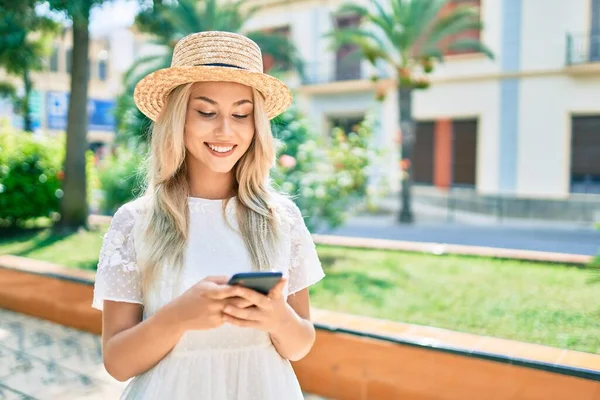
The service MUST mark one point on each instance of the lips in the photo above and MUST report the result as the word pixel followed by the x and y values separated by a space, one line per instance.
pixel 220 150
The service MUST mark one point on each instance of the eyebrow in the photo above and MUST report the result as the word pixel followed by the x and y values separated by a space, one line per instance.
pixel 211 101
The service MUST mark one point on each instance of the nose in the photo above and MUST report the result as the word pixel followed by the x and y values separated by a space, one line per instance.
pixel 224 127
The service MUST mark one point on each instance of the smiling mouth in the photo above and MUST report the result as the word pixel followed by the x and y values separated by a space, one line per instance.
pixel 220 151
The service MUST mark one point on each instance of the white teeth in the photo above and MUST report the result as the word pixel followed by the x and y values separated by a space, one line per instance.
pixel 220 149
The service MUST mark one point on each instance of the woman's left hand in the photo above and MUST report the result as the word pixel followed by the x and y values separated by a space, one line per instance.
pixel 269 313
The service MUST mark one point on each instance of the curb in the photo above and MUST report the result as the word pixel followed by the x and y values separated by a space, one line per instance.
pixel 64 295
pixel 429 247
pixel 448 249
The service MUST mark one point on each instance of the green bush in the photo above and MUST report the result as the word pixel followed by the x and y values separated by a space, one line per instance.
pixel 120 178
pixel 30 173
pixel 326 176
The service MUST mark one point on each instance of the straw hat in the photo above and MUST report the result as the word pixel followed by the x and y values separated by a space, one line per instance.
pixel 212 56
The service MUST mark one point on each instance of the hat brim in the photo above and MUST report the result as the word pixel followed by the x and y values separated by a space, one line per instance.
pixel 151 92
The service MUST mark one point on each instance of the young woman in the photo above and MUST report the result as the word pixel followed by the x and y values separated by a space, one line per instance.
pixel 170 320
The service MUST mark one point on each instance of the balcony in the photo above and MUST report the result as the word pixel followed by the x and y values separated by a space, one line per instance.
pixel 329 77
pixel 583 53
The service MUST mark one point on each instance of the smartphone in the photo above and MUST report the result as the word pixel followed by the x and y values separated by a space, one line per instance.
pixel 262 281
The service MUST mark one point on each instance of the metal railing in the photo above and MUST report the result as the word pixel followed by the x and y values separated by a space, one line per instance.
pixel 583 48
pixel 335 71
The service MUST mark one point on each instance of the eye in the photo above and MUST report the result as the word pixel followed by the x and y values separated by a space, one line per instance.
pixel 241 116
pixel 207 115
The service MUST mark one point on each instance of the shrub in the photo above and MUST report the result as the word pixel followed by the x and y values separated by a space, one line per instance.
pixel 326 175
pixel 30 176
pixel 120 179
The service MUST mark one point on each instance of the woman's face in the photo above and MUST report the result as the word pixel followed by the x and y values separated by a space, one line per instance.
pixel 219 124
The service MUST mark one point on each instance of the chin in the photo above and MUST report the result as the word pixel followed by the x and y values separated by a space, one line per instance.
pixel 221 168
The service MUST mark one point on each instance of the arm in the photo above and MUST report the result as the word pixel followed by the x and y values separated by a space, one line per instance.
pixel 285 318
pixel 296 338
pixel 131 347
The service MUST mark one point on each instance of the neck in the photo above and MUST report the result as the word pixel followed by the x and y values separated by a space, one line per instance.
pixel 209 184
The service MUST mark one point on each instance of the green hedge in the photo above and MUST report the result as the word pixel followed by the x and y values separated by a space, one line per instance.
pixel 120 178
pixel 30 172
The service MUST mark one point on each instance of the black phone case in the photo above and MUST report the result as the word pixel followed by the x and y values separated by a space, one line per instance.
pixel 262 282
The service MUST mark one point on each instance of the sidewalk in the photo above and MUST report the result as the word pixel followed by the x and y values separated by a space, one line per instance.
pixel 533 237
pixel 40 360
pixel 441 214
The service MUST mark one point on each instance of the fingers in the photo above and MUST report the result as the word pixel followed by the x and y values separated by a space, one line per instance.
pixel 239 302
pixel 252 296
pixel 219 280
pixel 222 292
pixel 277 292
pixel 248 314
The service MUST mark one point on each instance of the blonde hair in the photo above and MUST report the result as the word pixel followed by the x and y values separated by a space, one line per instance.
pixel 165 231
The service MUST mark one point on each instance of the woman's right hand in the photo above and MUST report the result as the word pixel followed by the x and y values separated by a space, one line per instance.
pixel 201 306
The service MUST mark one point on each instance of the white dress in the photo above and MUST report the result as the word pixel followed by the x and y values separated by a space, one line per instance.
pixel 226 363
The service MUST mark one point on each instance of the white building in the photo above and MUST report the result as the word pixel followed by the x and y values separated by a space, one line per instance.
pixel 524 126
pixel 49 99
pixel 518 133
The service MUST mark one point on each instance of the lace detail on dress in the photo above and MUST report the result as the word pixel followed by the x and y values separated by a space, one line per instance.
pixel 305 267
pixel 118 277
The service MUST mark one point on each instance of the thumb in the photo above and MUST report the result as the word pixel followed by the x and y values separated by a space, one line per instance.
pixel 219 280
pixel 277 292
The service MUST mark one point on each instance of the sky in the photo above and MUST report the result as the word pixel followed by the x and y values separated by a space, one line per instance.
pixel 112 14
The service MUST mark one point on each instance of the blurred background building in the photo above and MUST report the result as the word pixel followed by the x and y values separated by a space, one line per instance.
pixel 518 135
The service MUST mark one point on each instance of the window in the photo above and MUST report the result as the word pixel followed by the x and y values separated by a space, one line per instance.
pixel 473 34
pixel 585 147
pixel 595 32
pixel 269 61
pixel 347 123
pixel 69 60
pixel 54 59
pixel 464 152
pixel 347 58
pixel 102 70
pixel 423 152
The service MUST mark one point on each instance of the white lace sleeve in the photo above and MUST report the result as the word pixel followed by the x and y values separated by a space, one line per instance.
pixel 305 266
pixel 118 276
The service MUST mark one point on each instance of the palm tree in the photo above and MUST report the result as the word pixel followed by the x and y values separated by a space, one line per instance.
pixel 408 36
pixel 25 39
pixel 171 22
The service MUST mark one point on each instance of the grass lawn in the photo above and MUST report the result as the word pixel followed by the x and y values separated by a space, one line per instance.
pixel 548 304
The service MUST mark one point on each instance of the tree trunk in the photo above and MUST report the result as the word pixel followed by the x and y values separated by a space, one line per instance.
pixel 28 126
pixel 407 128
pixel 74 209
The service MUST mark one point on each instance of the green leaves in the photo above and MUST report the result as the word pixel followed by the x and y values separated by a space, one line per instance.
pixel 280 47
pixel 24 39
pixel 324 178
pixel 29 176
pixel 403 33
pixel 175 20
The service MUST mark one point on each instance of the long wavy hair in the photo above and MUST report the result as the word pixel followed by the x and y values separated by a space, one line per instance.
pixel 165 231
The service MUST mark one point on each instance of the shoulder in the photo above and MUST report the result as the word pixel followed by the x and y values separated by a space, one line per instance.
pixel 286 208
pixel 127 214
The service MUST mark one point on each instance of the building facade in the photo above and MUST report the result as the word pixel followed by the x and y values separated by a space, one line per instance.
pixel 49 99
pixel 524 125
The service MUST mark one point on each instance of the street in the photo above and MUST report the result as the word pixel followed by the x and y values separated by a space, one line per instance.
pixel 562 239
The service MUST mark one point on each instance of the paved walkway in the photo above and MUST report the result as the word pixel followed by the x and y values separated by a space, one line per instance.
pixel 567 239
pixel 40 360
